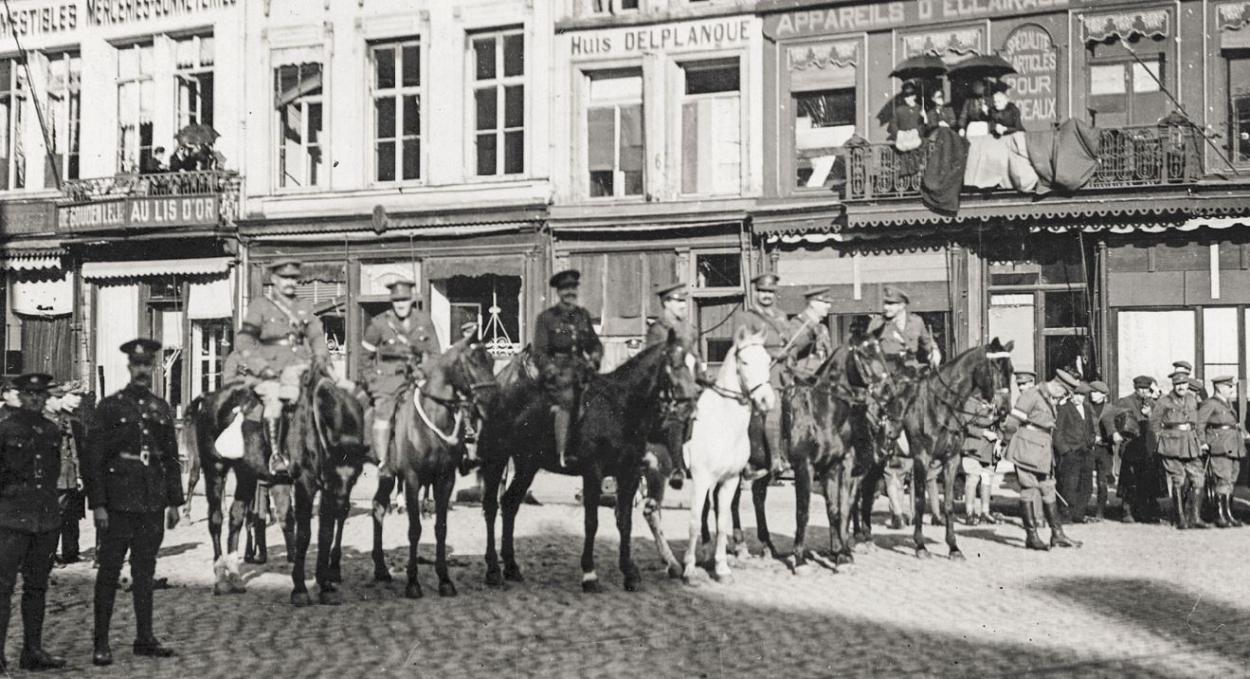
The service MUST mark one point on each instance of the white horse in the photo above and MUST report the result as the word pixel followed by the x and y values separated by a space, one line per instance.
pixel 719 445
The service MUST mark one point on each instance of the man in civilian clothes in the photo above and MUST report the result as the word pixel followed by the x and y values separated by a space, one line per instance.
pixel 1104 460
pixel 134 488
pixel 1074 441
pixel 1133 435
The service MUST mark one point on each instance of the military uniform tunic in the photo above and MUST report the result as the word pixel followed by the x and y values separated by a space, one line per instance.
pixel 766 430
pixel 976 446
pixel 29 516
pixel 1139 479
pixel 277 333
pixel 388 343
pixel 810 343
pixel 913 338
pixel 567 351
pixel 132 469
pixel 1031 449
pixel 658 332
pixel 1225 438
pixel 1174 420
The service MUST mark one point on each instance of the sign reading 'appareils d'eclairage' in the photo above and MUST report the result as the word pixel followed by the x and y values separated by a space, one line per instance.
pixel 662 37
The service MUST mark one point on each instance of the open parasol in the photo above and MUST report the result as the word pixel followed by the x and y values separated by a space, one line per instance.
pixel 920 68
pixel 197 134
pixel 982 66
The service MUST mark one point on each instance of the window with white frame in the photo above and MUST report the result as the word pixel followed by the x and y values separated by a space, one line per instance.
pixel 614 133
pixel 711 128
pixel 299 124
pixel 64 116
pixel 499 102
pixel 396 110
pixel 611 6
pixel 136 100
pixel 193 75
pixel 13 95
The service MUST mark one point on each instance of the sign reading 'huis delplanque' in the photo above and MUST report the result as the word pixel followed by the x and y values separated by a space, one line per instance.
pixel 661 38
pixel 139 213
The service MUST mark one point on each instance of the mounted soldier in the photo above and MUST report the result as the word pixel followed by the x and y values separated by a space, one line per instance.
pixel 672 318
pixel 810 343
pixel 902 332
pixel 767 452
pixel 279 338
pixel 394 338
pixel 567 351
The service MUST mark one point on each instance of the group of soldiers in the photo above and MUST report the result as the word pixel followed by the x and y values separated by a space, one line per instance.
pixel 130 472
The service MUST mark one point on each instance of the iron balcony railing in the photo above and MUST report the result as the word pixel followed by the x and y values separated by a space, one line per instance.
pixel 224 184
pixel 1157 155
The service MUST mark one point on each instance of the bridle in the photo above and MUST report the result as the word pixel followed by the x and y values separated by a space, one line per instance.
pixel 961 414
pixel 456 402
pixel 745 392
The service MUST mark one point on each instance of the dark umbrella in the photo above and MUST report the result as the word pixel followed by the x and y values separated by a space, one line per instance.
pixel 982 66
pixel 197 134
pixel 920 67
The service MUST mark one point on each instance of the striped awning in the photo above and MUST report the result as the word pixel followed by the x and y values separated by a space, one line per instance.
pixel 31 256
pixel 156 267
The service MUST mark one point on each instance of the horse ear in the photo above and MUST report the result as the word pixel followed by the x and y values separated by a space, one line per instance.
pixel 995 345
pixel 1008 346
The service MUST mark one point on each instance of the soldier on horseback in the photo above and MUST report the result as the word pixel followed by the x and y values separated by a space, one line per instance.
pixel 392 339
pixel 903 332
pixel 672 318
pixel 767 454
pixel 810 343
pixel 278 339
pixel 567 351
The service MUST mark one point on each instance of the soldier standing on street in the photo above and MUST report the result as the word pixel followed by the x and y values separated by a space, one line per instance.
pixel 134 488
pixel 767 451
pixel 1031 451
pixel 1224 439
pixel 30 520
pixel 672 318
pixel 1136 482
pixel 278 338
pixel 1174 419
pixel 1104 419
pixel 1025 379
pixel 62 409
pixel 389 343
pixel 567 351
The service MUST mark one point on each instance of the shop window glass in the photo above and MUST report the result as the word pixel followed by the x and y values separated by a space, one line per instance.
pixel 718 270
pixel 614 134
pixel 711 128
pixel 499 103
pixel 298 105
pixel 397 111
pixel 823 121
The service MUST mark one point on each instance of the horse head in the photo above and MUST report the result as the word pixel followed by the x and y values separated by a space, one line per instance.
pixel 472 374
pixel 334 433
pixel 992 379
pixel 753 364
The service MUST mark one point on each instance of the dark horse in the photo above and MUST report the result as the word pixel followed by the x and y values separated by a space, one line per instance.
pixel 829 433
pixel 427 450
pixel 327 444
pixel 208 415
pixel 620 411
pixel 935 420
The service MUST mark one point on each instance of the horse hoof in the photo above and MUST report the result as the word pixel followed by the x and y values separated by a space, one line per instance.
pixel 413 590
pixel 512 573
pixel 725 577
pixel 591 587
pixel 633 583
pixel 923 553
pixel 957 555
pixel 446 589
pixel 843 559
pixel 330 597
pixel 804 569
pixel 674 572
pixel 381 574
pixel 741 552
pixel 335 577
pixel 300 599
pixel 494 578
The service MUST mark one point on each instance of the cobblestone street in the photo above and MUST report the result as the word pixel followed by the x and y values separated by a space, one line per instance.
pixel 1135 601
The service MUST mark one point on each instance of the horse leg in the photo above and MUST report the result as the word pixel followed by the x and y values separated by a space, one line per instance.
pixel 592 487
pixel 948 506
pixel 919 482
pixel 303 536
pixel 492 473
pixel 193 480
pixel 214 491
pixel 802 507
pixel 280 497
pixel 739 539
pixel 381 501
pixel 442 500
pixel 257 549
pixel 867 496
pixel 837 509
pixel 327 520
pixel 625 491
pixel 759 494
pixel 698 508
pixel 724 526
pixel 412 497
pixel 656 479
pixel 512 499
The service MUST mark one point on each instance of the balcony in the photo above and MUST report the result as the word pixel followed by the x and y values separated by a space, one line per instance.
pixel 144 201
pixel 1129 157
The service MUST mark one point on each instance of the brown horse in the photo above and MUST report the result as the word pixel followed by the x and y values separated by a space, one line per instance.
pixel 428 448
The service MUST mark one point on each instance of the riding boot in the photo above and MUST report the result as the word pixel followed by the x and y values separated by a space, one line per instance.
pixel 1028 514
pixel 1057 538
pixel 1221 512
pixel 676 443
pixel 562 421
pixel 278 461
pixel 380 443
pixel 1195 508
pixel 1228 511
pixel 1178 506
pixel 33 656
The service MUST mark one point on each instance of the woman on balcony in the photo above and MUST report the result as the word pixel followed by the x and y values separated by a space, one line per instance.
pixel 940 113
pixel 907 127
pixel 997 155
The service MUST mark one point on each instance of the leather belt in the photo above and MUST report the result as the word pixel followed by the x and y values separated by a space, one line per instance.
pixel 1222 426
pixel 1038 427
pixel 1178 426
pixel 145 457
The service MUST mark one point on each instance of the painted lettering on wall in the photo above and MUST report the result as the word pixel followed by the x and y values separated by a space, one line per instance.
pixel 113 12
pixel 881 16
pixel 1034 85
pixel 24 21
pixel 139 213
pixel 671 37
